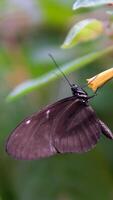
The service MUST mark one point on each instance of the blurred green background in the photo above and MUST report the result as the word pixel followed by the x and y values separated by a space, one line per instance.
pixel 29 30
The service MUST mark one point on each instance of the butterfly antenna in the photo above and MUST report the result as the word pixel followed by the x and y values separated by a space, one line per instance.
pixel 50 55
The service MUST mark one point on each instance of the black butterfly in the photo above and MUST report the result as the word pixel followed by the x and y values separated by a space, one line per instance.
pixel 69 125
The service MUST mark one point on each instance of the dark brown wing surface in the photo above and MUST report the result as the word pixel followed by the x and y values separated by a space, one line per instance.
pixel 33 138
pixel 78 129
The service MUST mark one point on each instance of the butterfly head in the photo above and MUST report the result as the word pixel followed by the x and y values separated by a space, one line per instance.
pixel 79 92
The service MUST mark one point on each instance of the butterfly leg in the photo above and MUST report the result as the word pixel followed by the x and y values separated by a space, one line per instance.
pixel 95 94
pixel 105 130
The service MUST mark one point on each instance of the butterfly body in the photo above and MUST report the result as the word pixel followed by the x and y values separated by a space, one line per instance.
pixel 79 93
pixel 69 125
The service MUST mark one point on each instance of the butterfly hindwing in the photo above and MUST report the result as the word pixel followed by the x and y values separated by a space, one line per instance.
pixel 78 129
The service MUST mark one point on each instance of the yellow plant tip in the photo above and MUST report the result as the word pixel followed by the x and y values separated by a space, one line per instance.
pixel 100 79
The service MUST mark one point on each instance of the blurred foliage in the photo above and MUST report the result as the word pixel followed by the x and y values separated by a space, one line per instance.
pixel 85 30
pixel 30 85
pixel 29 30
pixel 88 3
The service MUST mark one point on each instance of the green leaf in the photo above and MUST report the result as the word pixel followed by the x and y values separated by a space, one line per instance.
pixel 33 84
pixel 83 31
pixel 89 3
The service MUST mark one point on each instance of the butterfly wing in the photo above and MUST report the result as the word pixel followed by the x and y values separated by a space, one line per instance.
pixel 78 129
pixel 33 138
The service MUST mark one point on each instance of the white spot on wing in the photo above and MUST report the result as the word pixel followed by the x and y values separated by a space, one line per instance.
pixel 28 121
pixel 47 114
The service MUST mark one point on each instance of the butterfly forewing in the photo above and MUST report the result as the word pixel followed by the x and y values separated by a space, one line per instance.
pixel 33 138
pixel 78 129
